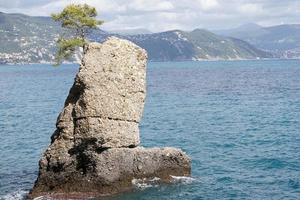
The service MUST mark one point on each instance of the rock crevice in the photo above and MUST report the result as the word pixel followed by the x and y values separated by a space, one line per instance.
pixel 95 148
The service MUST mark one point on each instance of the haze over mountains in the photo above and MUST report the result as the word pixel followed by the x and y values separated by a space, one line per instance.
pixel 135 31
pixel 281 40
pixel 26 39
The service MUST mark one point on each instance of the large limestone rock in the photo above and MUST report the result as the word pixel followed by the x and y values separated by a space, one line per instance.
pixel 94 150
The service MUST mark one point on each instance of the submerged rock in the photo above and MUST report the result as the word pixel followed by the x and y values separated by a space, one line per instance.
pixel 94 150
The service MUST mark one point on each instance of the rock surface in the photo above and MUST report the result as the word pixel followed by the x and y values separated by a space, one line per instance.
pixel 94 150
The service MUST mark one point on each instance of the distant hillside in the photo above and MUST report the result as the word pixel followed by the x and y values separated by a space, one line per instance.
pixel 195 45
pixel 284 40
pixel 245 31
pixel 26 39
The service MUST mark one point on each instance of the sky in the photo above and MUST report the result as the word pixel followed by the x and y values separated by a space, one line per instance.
pixel 162 15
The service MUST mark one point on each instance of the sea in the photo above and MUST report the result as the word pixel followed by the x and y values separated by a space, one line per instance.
pixel 239 121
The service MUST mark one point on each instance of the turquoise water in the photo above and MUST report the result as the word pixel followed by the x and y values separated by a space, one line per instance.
pixel 239 121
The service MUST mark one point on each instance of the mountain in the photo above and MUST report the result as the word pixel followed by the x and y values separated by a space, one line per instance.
pixel 26 39
pixel 284 40
pixel 195 45
pixel 245 31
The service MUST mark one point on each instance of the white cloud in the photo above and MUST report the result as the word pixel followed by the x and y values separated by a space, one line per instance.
pixel 160 15
pixel 154 5
pixel 207 5
pixel 251 9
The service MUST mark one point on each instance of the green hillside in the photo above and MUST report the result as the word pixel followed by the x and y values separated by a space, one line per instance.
pixel 26 39
pixel 196 45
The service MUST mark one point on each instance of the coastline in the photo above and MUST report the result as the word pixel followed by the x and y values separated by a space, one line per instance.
pixel 164 61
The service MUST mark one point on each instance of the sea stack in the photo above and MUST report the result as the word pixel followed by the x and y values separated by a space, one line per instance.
pixel 95 149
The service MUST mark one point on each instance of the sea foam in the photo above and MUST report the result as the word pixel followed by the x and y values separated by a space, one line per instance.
pixel 144 183
pixel 183 179
pixel 17 195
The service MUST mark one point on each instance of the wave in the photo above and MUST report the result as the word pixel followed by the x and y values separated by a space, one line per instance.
pixel 17 195
pixel 182 179
pixel 144 183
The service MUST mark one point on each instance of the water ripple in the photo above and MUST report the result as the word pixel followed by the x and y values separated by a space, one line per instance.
pixel 239 122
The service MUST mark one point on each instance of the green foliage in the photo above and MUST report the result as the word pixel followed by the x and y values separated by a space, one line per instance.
pixel 66 48
pixel 79 19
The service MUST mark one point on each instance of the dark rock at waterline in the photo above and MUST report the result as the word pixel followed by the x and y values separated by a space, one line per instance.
pixel 94 150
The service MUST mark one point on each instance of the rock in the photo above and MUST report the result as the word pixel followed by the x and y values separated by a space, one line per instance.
pixel 94 150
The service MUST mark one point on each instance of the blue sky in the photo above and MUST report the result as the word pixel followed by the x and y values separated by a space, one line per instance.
pixel 160 15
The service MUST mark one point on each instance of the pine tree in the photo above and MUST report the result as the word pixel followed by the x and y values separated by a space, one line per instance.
pixel 79 20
